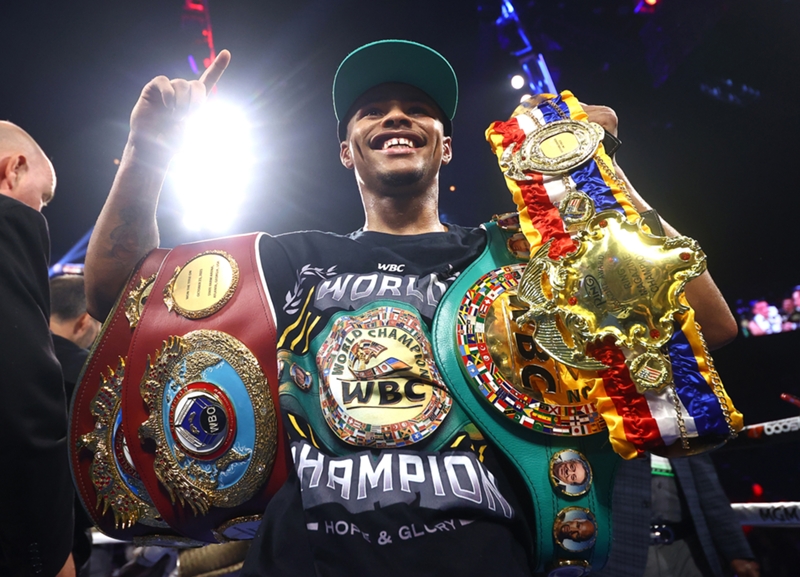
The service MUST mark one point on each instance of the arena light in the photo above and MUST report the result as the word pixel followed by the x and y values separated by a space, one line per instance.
pixel 517 81
pixel 646 6
pixel 212 170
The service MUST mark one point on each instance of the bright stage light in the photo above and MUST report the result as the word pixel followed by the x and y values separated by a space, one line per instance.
pixel 212 170
pixel 517 81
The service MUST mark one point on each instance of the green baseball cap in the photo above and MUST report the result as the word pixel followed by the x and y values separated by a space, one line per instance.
pixel 394 61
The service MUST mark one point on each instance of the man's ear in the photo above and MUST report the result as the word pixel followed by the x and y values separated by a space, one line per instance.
pixel 79 325
pixel 345 155
pixel 84 330
pixel 12 169
pixel 447 150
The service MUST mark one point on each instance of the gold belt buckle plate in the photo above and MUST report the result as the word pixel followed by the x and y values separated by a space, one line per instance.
pixel 620 282
pixel 555 148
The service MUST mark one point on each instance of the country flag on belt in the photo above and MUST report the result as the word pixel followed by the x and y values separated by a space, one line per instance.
pixel 648 374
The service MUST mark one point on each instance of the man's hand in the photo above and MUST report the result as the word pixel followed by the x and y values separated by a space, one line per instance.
pixel 126 229
pixel 745 568
pixel 602 115
pixel 68 570
pixel 713 314
pixel 157 119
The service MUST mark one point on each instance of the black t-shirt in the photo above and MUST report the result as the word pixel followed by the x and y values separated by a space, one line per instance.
pixel 389 476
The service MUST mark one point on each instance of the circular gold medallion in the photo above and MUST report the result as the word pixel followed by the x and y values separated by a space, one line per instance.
pixel 650 372
pixel 203 285
pixel 575 529
pixel 570 473
pixel 510 370
pixel 556 148
pixel 379 385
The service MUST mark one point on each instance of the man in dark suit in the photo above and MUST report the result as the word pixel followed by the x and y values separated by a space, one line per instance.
pixel 36 495
pixel 678 527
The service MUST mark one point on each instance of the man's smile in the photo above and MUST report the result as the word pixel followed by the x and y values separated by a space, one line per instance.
pixel 394 142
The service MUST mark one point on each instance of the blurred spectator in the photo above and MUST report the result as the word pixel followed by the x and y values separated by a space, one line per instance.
pixel 766 319
pixel 787 309
pixel 791 311
pixel 73 332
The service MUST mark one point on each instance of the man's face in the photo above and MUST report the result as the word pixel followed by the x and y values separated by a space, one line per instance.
pixel 395 140
pixel 577 530
pixel 570 472
pixel 761 308
pixel 796 299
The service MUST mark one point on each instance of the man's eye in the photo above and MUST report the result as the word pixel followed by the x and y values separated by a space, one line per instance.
pixel 372 112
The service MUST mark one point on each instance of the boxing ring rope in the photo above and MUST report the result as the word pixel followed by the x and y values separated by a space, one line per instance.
pixel 768 433
pixel 780 513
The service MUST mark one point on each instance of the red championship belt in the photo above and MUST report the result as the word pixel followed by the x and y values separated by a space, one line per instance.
pixel 199 400
pixel 105 478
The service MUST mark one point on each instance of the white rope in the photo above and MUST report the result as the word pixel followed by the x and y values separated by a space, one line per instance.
pixel 785 513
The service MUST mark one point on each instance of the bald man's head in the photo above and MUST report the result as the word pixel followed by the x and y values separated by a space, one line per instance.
pixel 26 173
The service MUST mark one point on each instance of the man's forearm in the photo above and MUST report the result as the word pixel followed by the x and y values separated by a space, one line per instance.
pixel 711 311
pixel 126 229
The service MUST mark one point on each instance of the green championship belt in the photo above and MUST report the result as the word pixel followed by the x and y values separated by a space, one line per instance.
pixel 316 385
pixel 511 389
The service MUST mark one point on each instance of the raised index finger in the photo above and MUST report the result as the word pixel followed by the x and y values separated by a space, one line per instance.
pixel 214 72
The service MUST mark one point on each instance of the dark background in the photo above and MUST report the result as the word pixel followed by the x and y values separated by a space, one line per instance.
pixel 721 169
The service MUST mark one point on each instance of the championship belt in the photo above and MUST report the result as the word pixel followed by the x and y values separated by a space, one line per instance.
pixel 105 478
pixel 535 410
pixel 603 295
pixel 385 347
pixel 199 393
pixel 591 334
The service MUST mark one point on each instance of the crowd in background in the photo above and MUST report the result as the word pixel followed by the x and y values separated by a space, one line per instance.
pixel 762 318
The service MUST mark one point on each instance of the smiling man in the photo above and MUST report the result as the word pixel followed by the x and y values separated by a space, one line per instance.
pixel 390 476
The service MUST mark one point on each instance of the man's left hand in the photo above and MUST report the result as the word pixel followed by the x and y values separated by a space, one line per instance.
pixel 745 568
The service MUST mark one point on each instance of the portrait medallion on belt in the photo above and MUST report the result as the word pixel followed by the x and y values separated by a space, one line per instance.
pixel 379 385
pixel 575 529
pixel 570 473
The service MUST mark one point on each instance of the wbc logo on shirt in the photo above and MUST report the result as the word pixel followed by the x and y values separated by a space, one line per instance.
pixel 380 387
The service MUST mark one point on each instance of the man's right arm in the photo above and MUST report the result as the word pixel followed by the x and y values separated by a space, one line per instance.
pixel 126 229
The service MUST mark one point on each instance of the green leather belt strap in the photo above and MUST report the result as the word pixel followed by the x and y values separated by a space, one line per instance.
pixel 307 403
pixel 529 451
